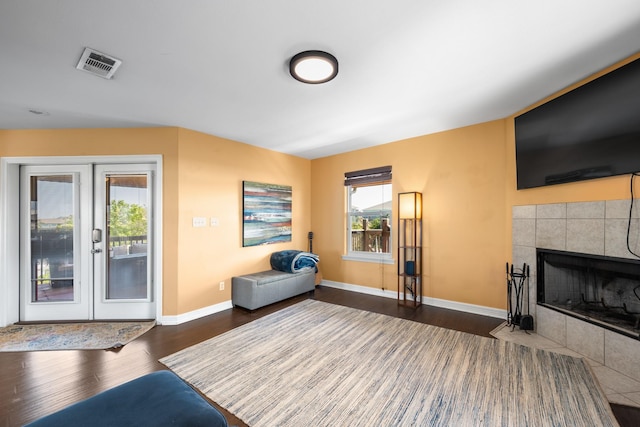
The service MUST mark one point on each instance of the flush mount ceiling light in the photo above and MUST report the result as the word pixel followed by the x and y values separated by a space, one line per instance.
pixel 313 66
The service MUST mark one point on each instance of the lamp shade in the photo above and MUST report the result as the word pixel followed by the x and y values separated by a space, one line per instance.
pixel 410 205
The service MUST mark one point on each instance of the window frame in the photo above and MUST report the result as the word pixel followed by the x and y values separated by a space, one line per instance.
pixel 369 181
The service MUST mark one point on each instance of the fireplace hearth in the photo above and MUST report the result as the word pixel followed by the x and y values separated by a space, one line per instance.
pixel 598 289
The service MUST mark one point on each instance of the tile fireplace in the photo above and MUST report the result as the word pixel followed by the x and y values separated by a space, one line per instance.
pixel 596 230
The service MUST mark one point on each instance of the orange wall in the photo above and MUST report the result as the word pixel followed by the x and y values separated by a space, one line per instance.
pixel 202 177
pixel 468 180
pixel 102 142
pixel 467 177
pixel 461 174
pixel 211 171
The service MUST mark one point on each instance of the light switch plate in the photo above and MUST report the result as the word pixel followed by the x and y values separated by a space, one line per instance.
pixel 199 221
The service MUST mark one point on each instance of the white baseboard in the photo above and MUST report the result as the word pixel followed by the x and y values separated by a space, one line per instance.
pixel 387 293
pixel 196 314
pixel 436 302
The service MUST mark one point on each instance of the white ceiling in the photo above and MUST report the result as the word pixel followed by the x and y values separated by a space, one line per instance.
pixel 407 67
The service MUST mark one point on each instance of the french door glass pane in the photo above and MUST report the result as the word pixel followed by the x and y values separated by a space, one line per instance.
pixel 127 224
pixel 51 235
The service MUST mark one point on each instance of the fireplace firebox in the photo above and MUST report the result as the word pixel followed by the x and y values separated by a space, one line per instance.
pixel 601 290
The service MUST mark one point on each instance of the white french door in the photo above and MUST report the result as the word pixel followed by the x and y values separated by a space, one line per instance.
pixel 86 239
pixel 122 241
pixel 54 233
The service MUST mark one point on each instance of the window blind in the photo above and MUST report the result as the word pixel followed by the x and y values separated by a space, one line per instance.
pixel 368 176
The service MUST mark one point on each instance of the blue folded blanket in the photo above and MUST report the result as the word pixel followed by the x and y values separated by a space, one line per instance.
pixel 294 261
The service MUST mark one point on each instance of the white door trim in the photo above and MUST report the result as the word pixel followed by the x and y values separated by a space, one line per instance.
pixel 9 220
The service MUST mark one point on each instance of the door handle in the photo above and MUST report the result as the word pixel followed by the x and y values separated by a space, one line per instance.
pixel 96 251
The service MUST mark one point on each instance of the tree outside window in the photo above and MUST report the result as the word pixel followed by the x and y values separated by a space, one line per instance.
pixel 127 219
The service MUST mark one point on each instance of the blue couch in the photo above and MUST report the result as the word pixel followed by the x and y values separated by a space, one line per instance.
pixel 153 400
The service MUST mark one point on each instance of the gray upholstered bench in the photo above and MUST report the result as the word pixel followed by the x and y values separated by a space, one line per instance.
pixel 256 290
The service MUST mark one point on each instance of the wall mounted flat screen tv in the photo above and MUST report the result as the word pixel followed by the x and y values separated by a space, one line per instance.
pixel 590 132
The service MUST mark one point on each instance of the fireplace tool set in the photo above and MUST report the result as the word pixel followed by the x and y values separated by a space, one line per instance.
pixel 517 284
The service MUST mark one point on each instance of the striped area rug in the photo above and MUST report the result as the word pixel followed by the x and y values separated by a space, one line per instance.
pixel 319 364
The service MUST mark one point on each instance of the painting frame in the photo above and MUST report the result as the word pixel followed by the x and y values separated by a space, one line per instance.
pixel 266 213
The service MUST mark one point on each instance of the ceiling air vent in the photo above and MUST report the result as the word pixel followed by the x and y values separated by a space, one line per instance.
pixel 98 63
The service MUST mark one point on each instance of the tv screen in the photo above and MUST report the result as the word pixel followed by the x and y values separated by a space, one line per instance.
pixel 590 132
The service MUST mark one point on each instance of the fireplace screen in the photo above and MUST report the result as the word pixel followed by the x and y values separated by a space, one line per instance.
pixel 598 289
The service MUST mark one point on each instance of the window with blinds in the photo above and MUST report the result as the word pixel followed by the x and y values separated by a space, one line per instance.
pixel 369 199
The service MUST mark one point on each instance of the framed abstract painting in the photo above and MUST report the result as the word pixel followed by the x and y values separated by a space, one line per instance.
pixel 266 213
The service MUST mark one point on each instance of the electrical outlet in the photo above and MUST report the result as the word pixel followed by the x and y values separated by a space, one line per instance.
pixel 222 286
pixel 215 222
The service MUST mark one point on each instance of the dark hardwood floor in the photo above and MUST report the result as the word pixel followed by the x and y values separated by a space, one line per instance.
pixel 34 384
